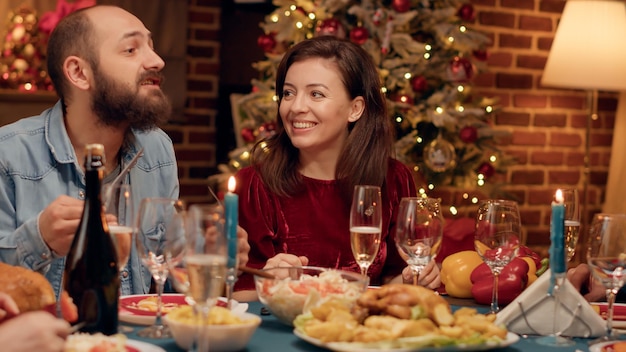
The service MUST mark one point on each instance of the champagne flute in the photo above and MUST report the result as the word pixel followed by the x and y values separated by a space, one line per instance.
pixel 496 239
pixel 572 221
pixel 419 231
pixel 366 223
pixel 607 260
pixel 119 204
pixel 119 207
pixel 206 262
pixel 153 219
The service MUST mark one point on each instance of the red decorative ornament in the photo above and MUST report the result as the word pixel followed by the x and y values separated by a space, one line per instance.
pixel 466 12
pixel 486 169
pixel 460 70
pixel 267 42
pixel 468 134
pixel 248 135
pixel 359 35
pixel 401 5
pixel 330 26
pixel 404 98
pixel 419 84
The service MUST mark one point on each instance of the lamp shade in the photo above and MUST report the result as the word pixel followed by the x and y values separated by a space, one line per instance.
pixel 589 48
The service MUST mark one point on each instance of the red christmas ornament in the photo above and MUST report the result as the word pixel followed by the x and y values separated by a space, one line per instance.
pixel 486 169
pixel 401 5
pixel 466 12
pixel 267 42
pixel 460 70
pixel 403 98
pixel 330 26
pixel 480 54
pixel 468 134
pixel 248 135
pixel 359 35
pixel 419 84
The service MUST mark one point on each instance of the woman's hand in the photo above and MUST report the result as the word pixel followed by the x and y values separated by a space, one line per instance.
pixel 429 276
pixel 34 331
pixel 284 259
pixel 243 247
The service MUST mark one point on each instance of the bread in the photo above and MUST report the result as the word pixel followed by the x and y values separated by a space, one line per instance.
pixel 29 289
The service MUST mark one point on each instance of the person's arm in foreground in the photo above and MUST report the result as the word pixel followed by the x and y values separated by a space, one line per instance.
pixel 32 331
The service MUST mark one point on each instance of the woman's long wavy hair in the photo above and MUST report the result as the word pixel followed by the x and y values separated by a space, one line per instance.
pixel 364 158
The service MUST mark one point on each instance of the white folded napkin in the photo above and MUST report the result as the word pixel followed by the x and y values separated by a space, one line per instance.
pixel 539 310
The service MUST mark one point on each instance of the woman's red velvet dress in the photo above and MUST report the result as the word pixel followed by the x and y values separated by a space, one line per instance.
pixel 315 223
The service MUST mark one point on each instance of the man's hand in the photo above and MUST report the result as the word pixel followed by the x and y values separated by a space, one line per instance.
pixel 429 276
pixel 8 307
pixel 58 223
pixel 581 278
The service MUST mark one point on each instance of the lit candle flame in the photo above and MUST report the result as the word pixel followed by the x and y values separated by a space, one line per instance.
pixel 231 184
pixel 559 196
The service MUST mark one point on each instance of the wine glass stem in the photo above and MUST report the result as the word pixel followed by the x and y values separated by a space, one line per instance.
pixel 494 293
pixel 159 289
pixel 231 278
pixel 364 270
pixel 610 299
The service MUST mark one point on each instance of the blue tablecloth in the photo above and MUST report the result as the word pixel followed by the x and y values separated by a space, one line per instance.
pixel 273 336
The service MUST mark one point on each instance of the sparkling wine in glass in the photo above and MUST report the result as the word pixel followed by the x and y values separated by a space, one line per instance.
pixel 572 221
pixel 419 231
pixel 206 262
pixel 120 216
pixel 119 207
pixel 153 223
pixel 497 238
pixel 607 260
pixel 366 222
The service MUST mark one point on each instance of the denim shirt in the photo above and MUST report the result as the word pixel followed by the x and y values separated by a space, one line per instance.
pixel 38 164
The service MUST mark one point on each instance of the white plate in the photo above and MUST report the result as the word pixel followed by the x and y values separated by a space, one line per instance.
pixel 511 338
pixel 143 346
pixel 619 313
pixel 598 346
pixel 142 319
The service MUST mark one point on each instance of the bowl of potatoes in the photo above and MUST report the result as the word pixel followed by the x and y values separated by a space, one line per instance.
pixel 226 331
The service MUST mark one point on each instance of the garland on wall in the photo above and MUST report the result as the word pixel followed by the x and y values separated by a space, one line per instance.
pixel 427 54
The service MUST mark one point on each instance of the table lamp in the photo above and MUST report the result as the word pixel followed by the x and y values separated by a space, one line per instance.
pixel 589 52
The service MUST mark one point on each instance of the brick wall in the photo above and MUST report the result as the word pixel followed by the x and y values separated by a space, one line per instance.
pixel 547 125
pixel 194 140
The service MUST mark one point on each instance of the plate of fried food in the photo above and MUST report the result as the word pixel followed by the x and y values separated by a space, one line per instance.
pixel 141 309
pixel 99 342
pixel 398 318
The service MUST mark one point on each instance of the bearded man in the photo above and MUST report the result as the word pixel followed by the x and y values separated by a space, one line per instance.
pixel 108 77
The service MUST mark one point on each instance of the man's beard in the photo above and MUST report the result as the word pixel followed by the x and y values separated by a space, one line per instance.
pixel 116 105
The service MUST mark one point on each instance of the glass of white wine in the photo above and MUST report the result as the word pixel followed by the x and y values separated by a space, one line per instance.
pixel 120 212
pixel 366 223
pixel 572 221
pixel 419 231
pixel 205 261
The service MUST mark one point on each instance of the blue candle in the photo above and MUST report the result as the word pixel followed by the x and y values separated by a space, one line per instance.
pixel 557 235
pixel 231 205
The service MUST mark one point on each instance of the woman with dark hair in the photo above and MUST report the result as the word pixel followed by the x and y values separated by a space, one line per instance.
pixel 333 133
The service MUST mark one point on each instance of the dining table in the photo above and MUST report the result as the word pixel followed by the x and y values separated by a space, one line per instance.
pixel 274 336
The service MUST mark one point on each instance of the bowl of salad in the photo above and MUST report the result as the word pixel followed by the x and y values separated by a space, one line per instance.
pixel 295 290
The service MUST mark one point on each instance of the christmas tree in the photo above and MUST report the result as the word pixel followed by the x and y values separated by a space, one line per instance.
pixel 22 59
pixel 427 55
